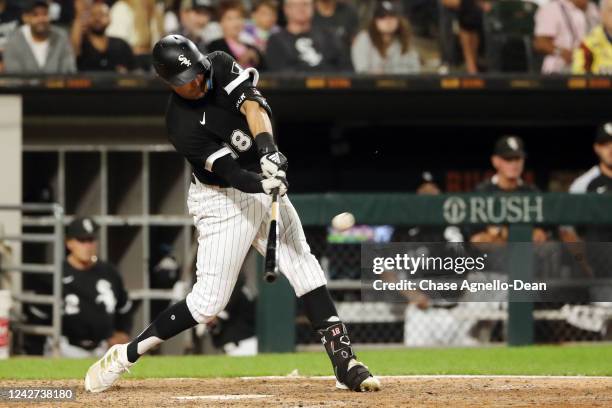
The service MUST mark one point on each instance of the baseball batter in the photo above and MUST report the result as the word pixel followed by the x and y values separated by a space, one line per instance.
pixel 220 122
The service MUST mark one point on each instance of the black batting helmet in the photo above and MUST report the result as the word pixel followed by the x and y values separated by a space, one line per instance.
pixel 178 61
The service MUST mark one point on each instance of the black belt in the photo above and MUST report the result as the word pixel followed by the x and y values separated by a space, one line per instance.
pixel 195 180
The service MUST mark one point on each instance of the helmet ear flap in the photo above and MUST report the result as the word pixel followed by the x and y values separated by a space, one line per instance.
pixel 206 63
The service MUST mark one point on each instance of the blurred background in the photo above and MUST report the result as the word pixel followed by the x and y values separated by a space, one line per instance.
pixel 414 97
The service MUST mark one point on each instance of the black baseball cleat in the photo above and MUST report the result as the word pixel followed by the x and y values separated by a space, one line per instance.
pixel 358 378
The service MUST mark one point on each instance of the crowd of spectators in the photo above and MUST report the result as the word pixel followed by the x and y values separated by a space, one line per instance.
pixel 54 36
pixel 369 36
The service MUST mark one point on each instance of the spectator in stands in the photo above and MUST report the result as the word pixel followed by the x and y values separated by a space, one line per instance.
pixel 38 47
pixel 9 21
pixel 470 13
pixel 384 48
pixel 300 47
pixel 509 161
pixel 264 16
pixel 196 23
pixel 231 18
pixel 594 56
pixel 338 17
pixel 139 23
pixel 94 49
pixel 560 27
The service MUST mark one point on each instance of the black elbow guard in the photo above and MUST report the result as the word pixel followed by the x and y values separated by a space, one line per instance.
pixel 252 94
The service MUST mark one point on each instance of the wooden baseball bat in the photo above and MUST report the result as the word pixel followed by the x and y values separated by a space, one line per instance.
pixel 271 262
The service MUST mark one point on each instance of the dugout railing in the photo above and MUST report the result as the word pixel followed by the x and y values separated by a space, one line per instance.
pixel 276 315
pixel 55 240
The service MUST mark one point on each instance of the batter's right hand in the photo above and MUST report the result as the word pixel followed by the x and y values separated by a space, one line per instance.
pixel 272 163
pixel 280 182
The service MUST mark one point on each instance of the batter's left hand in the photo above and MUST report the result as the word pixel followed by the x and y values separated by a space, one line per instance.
pixel 272 163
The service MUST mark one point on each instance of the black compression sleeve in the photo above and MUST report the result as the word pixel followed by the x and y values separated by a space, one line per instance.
pixel 243 180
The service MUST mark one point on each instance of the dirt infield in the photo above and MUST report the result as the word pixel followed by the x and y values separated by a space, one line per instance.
pixel 308 392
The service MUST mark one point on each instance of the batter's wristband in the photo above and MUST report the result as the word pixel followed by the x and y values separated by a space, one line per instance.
pixel 265 143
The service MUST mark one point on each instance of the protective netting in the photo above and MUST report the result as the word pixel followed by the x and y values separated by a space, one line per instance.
pixel 423 322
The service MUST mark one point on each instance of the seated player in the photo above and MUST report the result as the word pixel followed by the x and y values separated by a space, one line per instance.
pixel 97 312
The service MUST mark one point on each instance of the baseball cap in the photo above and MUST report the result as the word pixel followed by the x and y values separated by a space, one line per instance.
pixel 386 8
pixel 509 147
pixel 197 5
pixel 604 133
pixel 82 228
pixel 30 5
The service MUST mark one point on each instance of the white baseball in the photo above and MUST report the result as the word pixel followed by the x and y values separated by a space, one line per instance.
pixel 343 221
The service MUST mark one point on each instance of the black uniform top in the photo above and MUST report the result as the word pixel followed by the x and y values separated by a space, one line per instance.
pixel 118 54
pixel 95 304
pixel 206 129
pixel 594 181
pixel 317 50
pixel 344 23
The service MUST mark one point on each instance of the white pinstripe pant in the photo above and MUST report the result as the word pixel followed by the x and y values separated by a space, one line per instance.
pixel 229 222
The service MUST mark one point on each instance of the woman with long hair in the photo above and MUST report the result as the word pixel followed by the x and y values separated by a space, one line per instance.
pixel 385 48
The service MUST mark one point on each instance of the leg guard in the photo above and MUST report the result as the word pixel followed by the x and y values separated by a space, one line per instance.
pixel 338 346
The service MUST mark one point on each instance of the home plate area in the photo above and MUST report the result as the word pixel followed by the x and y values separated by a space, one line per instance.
pixel 398 391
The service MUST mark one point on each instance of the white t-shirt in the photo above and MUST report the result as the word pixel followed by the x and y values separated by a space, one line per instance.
pixel 40 49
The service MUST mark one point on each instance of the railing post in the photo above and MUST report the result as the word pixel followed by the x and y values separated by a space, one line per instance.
pixel 275 318
pixel 58 258
pixel 520 266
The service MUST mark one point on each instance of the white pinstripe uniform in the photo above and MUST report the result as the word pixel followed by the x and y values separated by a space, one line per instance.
pixel 206 127
pixel 229 222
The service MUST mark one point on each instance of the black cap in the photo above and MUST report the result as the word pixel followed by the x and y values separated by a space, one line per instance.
pixel 30 5
pixel 386 8
pixel 178 61
pixel 604 133
pixel 82 228
pixel 197 5
pixel 509 147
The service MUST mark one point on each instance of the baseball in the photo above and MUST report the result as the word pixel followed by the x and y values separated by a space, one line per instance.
pixel 343 221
